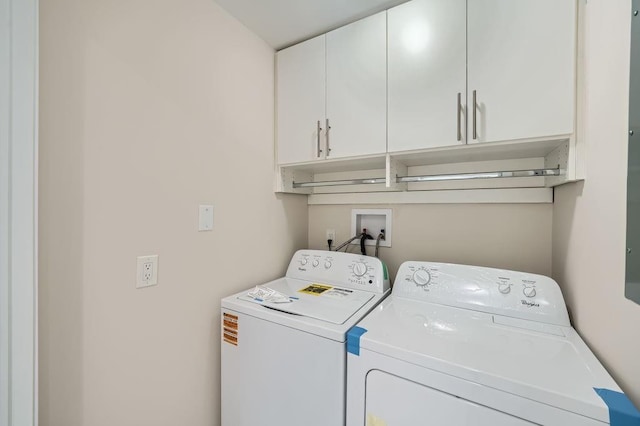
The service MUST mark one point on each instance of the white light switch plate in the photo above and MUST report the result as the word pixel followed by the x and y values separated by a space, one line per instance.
pixel 205 218
pixel 147 271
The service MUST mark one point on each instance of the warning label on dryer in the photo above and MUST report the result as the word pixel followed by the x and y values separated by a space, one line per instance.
pixel 315 289
pixel 230 328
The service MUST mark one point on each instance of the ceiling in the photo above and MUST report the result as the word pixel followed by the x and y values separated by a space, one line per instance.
pixel 282 23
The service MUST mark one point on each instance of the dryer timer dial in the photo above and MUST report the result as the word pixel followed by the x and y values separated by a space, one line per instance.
pixel 359 269
pixel 421 277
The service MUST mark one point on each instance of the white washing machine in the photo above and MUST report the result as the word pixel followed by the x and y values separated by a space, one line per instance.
pixel 284 364
pixel 462 345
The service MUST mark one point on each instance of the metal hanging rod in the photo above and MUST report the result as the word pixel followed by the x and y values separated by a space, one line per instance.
pixel 437 178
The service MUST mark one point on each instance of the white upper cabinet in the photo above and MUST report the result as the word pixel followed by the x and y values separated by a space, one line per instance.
pixel 357 88
pixel 427 74
pixel 301 101
pixel 521 67
pixel 459 72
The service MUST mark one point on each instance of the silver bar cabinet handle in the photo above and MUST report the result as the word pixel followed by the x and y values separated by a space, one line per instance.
pixel 475 107
pixel 459 106
pixel 318 150
pixel 327 136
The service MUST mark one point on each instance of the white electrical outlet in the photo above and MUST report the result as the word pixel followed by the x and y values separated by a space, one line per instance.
pixel 147 271
pixel 331 235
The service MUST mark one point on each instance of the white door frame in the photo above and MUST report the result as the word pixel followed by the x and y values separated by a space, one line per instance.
pixel 18 211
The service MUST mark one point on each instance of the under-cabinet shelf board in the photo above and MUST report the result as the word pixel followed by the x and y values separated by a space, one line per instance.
pixel 340 164
pixel 458 196
pixel 526 148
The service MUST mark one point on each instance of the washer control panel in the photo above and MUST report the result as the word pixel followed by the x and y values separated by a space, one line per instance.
pixel 339 269
pixel 499 291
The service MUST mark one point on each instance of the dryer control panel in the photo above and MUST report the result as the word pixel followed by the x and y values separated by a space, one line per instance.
pixel 509 293
pixel 340 269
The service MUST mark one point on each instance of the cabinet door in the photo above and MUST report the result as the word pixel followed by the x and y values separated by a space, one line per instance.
pixel 357 88
pixel 427 73
pixel 521 64
pixel 301 101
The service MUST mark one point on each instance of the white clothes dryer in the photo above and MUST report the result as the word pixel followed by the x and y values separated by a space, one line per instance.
pixel 462 345
pixel 284 364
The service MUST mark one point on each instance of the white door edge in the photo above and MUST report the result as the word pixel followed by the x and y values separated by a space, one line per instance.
pixel 18 211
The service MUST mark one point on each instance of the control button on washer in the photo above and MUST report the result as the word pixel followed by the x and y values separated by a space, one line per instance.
pixel 529 291
pixel 504 288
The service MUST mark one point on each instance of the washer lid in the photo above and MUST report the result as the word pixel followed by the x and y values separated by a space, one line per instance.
pixel 321 301
pixel 542 362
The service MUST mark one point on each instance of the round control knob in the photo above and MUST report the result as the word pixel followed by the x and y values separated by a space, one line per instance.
pixel 315 262
pixel 504 288
pixel 529 291
pixel 327 264
pixel 303 261
pixel 359 269
pixel 421 277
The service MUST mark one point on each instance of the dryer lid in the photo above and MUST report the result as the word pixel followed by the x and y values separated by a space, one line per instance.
pixel 543 362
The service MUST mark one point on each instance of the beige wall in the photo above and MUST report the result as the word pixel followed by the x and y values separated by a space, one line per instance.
pixel 512 236
pixel 148 108
pixel 589 218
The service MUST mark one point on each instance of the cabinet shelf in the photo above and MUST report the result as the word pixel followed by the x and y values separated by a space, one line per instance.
pixel 526 148
pixel 524 164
